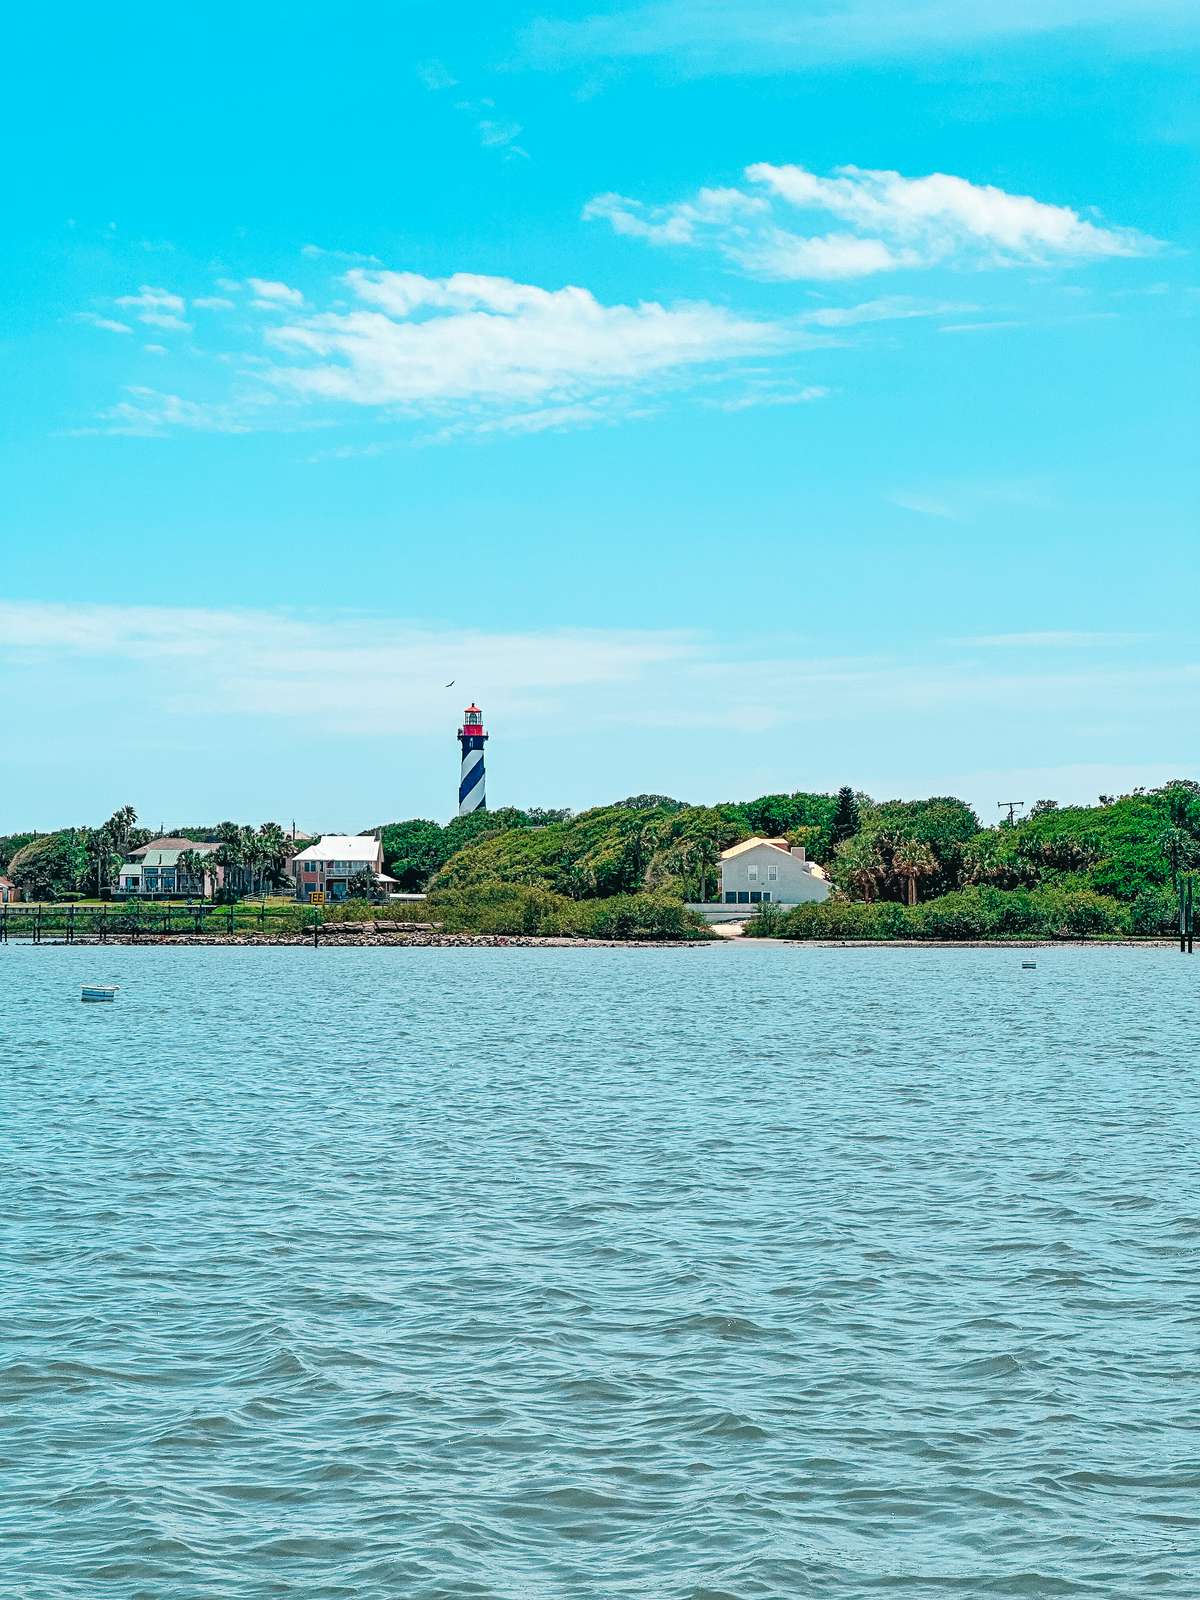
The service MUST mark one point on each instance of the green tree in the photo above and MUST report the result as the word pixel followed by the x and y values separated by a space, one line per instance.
pixel 912 859
pixel 845 822
pixel 859 866
pixel 362 886
pixel 229 857
pixel 108 845
pixel 275 850
pixel 190 865
pixel 52 865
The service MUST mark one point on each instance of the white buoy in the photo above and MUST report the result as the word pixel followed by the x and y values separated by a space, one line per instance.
pixel 100 991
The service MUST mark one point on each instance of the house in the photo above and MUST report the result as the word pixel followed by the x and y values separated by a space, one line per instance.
pixel 760 870
pixel 328 867
pixel 9 893
pixel 152 871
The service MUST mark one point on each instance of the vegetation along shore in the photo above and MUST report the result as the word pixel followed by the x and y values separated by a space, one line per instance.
pixel 900 870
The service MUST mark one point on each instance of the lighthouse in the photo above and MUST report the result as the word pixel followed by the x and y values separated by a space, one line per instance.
pixel 470 783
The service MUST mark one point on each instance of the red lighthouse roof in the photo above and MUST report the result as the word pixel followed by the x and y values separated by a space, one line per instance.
pixel 472 723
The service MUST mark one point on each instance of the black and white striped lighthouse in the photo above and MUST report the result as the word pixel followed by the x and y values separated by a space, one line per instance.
pixel 470 783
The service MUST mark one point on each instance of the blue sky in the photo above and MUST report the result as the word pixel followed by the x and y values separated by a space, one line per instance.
pixel 729 397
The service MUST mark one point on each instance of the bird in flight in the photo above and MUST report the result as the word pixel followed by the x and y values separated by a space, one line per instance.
pixel 451 684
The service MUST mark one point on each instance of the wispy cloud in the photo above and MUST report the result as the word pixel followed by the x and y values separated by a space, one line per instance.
pixel 352 258
pixel 476 354
pixel 925 505
pixel 382 676
pixel 496 131
pixel 146 413
pixel 720 36
pixel 966 499
pixel 270 294
pixel 158 308
pixel 872 221
pixel 415 340
pixel 109 324
pixel 1052 639
pixel 435 76
pixel 770 394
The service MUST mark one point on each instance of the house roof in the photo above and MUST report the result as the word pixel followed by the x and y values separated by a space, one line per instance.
pixel 167 858
pixel 753 844
pixel 170 842
pixel 342 847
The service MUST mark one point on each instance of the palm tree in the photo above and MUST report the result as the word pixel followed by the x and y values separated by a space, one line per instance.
pixel 858 861
pixel 191 865
pixel 1179 848
pixel 109 843
pixel 229 856
pixel 912 859
pixel 276 850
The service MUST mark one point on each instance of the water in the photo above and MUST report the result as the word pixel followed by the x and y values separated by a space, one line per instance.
pixel 576 1275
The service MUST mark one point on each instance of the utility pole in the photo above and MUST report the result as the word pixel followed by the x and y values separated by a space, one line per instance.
pixel 1011 807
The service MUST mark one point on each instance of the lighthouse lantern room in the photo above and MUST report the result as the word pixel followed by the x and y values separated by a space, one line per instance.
pixel 471 781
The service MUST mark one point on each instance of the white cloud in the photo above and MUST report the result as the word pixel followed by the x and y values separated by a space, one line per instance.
pixel 384 676
pixel 155 349
pixel 490 356
pixel 147 413
pixel 1052 639
pixel 421 342
pixel 768 394
pixel 268 292
pixel 158 308
pixel 941 214
pixel 107 323
pixel 720 36
pixel 925 505
pixel 316 252
pixel 885 222
pixel 212 302
pixel 435 77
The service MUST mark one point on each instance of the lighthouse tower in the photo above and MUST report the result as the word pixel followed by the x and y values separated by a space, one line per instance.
pixel 470 784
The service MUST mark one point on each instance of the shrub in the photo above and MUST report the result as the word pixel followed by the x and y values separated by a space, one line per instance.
pixel 963 914
pixel 834 919
pixel 1082 911
pixel 1155 911
pixel 978 912
pixel 524 909
pixel 640 916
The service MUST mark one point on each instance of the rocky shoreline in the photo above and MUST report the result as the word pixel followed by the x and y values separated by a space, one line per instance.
pixel 360 936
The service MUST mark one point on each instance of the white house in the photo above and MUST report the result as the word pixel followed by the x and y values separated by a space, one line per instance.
pixel 327 867
pixel 759 870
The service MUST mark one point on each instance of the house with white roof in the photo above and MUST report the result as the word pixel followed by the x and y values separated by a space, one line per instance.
pixel 326 869
pixel 759 871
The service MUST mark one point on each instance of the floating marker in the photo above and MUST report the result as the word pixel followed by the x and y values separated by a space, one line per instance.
pixel 1028 964
pixel 99 991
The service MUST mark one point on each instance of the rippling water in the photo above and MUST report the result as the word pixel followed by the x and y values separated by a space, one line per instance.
pixel 708 1273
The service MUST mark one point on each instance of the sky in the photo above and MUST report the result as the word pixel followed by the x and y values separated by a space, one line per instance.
pixel 730 396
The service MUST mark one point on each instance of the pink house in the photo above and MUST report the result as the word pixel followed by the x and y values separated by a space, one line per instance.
pixel 9 893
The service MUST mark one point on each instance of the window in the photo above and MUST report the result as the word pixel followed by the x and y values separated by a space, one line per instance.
pixel 752 874
pixel 730 898
pixel 766 894
pixel 743 898
pixel 772 874
pixel 755 897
